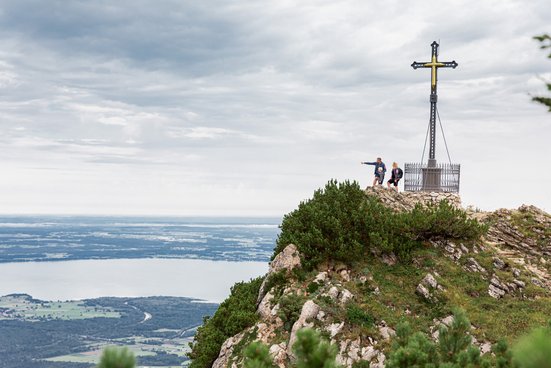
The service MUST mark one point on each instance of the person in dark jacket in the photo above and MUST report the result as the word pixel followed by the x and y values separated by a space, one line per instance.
pixel 397 174
pixel 380 170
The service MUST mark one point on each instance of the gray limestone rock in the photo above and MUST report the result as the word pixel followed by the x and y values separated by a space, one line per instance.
pixel 473 266
pixel 423 292
pixel 334 329
pixel 499 263
pixel 345 296
pixel 309 311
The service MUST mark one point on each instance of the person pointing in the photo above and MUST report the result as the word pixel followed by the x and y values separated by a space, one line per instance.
pixel 380 170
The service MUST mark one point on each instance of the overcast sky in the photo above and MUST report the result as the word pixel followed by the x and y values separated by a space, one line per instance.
pixel 246 107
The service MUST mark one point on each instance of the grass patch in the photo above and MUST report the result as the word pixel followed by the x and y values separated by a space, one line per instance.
pixel 507 318
pixel 359 316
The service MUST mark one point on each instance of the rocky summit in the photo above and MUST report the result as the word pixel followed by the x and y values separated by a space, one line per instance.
pixel 501 280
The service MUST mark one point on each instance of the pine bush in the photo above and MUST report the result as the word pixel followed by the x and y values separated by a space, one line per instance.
pixel 331 224
pixel 257 355
pixel 454 348
pixel 312 351
pixel 114 357
pixel 441 221
pixel 534 350
pixel 290 306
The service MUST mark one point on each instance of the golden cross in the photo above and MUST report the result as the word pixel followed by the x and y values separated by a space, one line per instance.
pixel 434 64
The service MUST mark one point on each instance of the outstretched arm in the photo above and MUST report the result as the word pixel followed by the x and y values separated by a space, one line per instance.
pixel 368 163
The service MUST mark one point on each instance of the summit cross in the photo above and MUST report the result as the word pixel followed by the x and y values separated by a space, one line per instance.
pixel 434 64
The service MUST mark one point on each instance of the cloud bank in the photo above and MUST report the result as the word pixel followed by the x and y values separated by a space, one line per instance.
pixel 245 107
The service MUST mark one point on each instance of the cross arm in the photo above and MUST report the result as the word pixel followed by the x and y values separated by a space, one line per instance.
pixel 449 64
pixel 438 64
pixel 416 65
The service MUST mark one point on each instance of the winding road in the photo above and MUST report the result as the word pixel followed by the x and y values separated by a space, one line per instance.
pixel 146 315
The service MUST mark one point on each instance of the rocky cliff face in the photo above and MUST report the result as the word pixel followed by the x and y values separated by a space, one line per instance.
pixel 499 281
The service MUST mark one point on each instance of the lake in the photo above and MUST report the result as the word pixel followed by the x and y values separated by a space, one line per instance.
pixel 86 279
pixel 76 257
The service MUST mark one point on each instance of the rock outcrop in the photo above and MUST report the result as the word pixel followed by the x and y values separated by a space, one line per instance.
pixel 309 311
pixel 522 239
pixel 226 350
pixel 287 260
pixel 404 201
pixel 428 287
pixel 526 230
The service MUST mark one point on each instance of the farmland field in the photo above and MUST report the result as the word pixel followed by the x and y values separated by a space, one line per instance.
pixel 28 309
pixel 73 333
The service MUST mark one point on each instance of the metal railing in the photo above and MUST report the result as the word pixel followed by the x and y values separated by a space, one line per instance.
pixel 433 178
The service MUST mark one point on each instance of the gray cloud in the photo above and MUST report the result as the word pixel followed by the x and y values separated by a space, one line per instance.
pixel 246 107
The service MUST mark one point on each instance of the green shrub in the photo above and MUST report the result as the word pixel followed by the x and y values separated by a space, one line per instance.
pixel 357 316
pixel 443 221
pixel 257 355
pixel 313 287
pixel 276 281
pixel 312 351
pixel 503 355
pixel 290 307
pixel 300 274
pixel 534 350
pixel 235 314
pixel 455 340
pixel 412 350
pixel 113 357
pixel 341 223
pixel 454 348
pixel 331 224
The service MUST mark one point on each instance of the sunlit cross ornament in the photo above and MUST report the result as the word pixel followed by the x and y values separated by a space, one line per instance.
pixel 434 64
